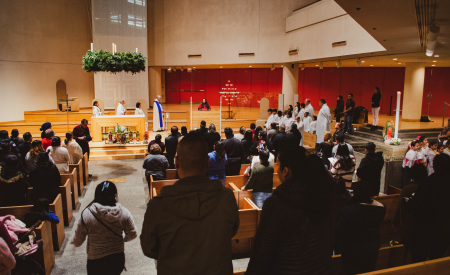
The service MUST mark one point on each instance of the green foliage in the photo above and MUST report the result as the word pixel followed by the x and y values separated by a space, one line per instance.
pixel 103 61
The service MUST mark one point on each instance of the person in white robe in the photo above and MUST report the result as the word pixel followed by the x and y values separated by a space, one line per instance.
pixel 74 149
pixel 323 121
pixel 158 110
pixel 96 111
pixel 432 152
pixel 289 120
pixel 301 112
pixel 309 108
pixel 139 111
pixel 269 119
pixel 306 121
pixel 312 125
pixel 60 155
pixel 301 129
pixel 120 111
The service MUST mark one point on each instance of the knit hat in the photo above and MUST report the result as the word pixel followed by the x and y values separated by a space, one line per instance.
pixel 46 126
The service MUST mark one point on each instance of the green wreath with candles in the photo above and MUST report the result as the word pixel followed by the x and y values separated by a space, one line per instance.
pixel 103 61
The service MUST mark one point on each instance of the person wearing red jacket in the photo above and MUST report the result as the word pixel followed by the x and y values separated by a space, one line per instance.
pixel 204 106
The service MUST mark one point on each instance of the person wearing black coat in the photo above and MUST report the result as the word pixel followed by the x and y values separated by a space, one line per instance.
pixel 44 178
pixel 212 137
pixel 235 153
pixel 247 143
pixel 171 143
pixel 358 231
pixel 370 168
pixel 13 183
pixel 279 141
pixel 339 108
pixel 294 136
pixel 295 231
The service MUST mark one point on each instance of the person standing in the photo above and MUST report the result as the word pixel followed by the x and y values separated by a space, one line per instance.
pixel 289 121
pixel 339 108
pixel 269 119
pixel 158 111
pixel 171 143
pixel 211 137
pixel 155 164
pixel 96 111
pixel 44 127
pixel 204 106
pixel 82 136
pixel 370 168
pixel 309 108
pixel 348 112
pixel 217 162
pixel 121 111
pixel 235 152
pixel 323 120
pixel 139 111
pixel 376 98
pixel 25 147
pixel 301 112
pixel 60 155
pixel 196 237
pixel 107 226
pixel 339 130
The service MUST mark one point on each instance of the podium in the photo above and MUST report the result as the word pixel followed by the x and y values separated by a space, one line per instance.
pixel 73 104
pixel 111 121
pixel 208 116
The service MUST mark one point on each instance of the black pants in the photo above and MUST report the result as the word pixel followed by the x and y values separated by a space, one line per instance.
pixel 233 167
pixel 110 265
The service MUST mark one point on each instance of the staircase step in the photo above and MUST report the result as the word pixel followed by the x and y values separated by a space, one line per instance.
pixel 115 157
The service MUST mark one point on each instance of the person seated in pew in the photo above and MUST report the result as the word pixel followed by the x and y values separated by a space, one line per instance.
pixel 430 228
pixel 5 151
pixel 212 137
pixel 107 226
pixel 323 150
pixel 295 231
pixel 44 178
pixel 155 164
pixel 32 155
pixel 370 168
pixel 158 141
pixel 74 149
pixel 204 106
pixel 188 227
pixel 272 132
pixel 45 126
pixel 40 212
pixel 4 139
pixel 60 155
pixel 15 137
pixel 294 136
pixel 343 164
pixel 340 139
pixel 240 135
pixel 13 183
pixel 47 140
pixel 217 162
pixel 358 230
pixel 261 179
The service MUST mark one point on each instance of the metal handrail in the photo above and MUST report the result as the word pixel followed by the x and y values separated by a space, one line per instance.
pixel 443 115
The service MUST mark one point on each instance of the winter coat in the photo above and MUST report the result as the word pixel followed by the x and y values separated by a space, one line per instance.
pixel 370 170
pixel 45 180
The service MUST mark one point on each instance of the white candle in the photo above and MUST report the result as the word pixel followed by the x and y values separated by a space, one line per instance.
pixel 92 47
pixel 136 50
pixel 113 48
pixel 397 114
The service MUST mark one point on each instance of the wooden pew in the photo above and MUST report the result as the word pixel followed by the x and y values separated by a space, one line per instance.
pixel 156 186
pixel 242 242
pixel 66 199
pixel 439 266
pixel 390 203
pixel 85 169
pixel 241 180
pixel 79 167
pixel 171 174
pixel 391 190
pixel 243 168
pixel 73 186
pixel 46 255
pixel 309 141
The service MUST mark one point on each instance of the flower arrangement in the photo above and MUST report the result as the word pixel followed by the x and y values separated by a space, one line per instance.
pixel 103 61
pixel 395 141
pixel 387 134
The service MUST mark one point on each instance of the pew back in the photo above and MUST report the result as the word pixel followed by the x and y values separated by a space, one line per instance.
pixel 390 203
pixel 85 162
pixel 309 141
pixel 73 186
pixel 79 167
pixel 66 199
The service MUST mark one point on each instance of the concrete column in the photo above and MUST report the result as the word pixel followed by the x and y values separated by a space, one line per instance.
pixel 413 91
pixel 290 83
pixel 156 84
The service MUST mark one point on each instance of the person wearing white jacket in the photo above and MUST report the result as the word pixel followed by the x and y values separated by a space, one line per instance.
pixel 74 149
pixel 323 121
pixel 60 155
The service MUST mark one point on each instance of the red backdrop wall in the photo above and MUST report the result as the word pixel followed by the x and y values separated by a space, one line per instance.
pixel 328 83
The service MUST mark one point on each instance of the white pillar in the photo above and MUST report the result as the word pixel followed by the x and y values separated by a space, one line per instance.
pixel 413 91
pixel 290 83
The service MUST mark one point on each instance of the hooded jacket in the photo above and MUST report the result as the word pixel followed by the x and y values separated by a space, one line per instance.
pixel 102 241
pixel 45 180
pixel 370 170
pixel 286 241
pixel 189 226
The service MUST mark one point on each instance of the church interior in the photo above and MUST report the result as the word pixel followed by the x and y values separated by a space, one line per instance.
pixel 243 57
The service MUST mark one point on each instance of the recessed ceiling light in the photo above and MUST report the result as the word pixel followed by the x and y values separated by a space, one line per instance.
pixel 250 66
pixel 362 61
pixel 394 59
pixel 434 61
pixel 193 67
pixel 436 55
pixel 221 67
pixel 433 65
pixel 371 65
pixel 317 65
pixel 399 63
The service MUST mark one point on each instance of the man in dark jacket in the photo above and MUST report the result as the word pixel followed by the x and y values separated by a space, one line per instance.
pixel 370 168
pixel 82 136
pixel 279 140
pixel 202 130
pixel 189 226
pixel 171 143
pixel 235 153
pixel 339 108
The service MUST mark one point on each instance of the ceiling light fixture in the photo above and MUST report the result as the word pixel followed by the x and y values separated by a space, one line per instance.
pixel 434 61
pixel 394 58
pixel 436 55
pixel 431 38
pixel 371 65
pixel 221 67
pixel 250 66
pixel 282 66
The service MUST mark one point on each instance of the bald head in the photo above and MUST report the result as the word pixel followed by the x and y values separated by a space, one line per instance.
pixel 158 97
pixel 192 155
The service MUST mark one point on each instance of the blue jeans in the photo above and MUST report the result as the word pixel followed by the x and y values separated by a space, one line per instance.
pixel 259 198
pixel 348 124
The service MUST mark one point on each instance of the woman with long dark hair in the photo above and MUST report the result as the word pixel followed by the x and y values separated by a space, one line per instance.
pixel 247 143
pixel 295 229
pixel 32 155
pixel 75 151
pixel 107 225
pixel 376 98
pixel 343 165
pixel 204 106
pixel 217 161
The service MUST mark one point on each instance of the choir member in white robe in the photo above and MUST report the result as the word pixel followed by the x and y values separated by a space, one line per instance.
pixel 139 111
pixel 430 156
pixel 312 125
pixel 269 119
pixel 96 111
pixel 301 129
pixel 306 121
pixel 74 149
pixel 158 110
pixel 309 108
pixel 301 113
pixel 323 121
pixel 288 121
pixel 120 108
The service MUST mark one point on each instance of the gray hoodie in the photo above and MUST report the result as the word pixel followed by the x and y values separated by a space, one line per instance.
pixel 101 241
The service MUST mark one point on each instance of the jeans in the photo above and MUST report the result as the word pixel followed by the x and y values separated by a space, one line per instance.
pixel 348 124
pixel 112 264
pixel 259 198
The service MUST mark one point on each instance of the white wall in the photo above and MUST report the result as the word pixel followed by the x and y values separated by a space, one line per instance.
pixel 40 43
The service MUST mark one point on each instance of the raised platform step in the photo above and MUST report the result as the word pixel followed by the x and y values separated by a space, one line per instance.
pixel 408 134
pixel 115 157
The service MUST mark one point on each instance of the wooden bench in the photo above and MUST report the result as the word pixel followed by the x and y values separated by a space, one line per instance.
pixel 156 186
pixel 390 203
pixel 85 162
pixel 171 174
pixel 73 186
pixel 66 199
pixel 46 255
pixel 439 266
pixel 243 168
pixel 79 167
pixel 241 180
pixel 391 190
pixel 309 141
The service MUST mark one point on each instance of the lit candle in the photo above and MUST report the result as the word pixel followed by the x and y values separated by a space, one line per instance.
pixel 113 48
pixel 92 47
pixel 136 50
pixel 397 114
